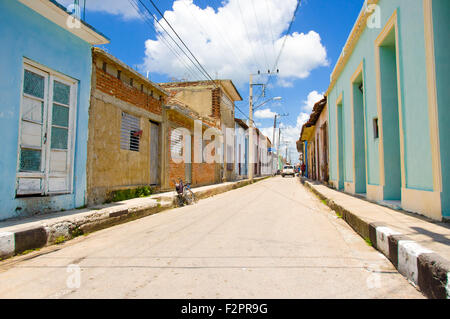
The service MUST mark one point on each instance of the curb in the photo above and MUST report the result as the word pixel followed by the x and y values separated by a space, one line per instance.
pixel 24 239
pixel 423 268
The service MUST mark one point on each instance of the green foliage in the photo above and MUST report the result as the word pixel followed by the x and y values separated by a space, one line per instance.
pixel 368 241
pixel 28 251
pixel 76 232
pixel 121 195
pixel 60 240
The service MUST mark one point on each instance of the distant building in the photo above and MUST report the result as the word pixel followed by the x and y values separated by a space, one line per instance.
pixel 46 63
pixel 241 149
pixel 388 105
pixel 314 142
pixel 213 101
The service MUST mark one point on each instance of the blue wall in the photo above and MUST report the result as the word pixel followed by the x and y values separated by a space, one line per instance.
pixel 411 45
pixel 24 33
pixel 441 13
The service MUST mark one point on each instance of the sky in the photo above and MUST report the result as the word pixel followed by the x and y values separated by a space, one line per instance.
pixel 233 39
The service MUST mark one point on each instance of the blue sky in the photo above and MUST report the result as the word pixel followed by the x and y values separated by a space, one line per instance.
pixel 234 38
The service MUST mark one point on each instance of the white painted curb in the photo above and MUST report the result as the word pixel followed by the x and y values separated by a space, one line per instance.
pixel 7 244
pixel 408 251
pixel 383 234
pixel 447 287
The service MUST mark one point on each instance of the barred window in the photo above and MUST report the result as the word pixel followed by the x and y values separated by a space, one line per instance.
pixel 176 144
pixel 130 132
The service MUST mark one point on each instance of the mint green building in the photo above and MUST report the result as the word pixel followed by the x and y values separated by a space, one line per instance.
pixel 389 107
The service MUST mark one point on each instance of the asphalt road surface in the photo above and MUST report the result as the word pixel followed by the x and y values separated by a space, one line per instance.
pixel 273 239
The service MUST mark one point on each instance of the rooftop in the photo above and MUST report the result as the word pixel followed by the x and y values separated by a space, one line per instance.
pixel 225 84
pixel 57 13
pixel 117 62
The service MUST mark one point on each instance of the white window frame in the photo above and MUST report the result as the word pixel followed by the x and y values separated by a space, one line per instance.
pixel 49 77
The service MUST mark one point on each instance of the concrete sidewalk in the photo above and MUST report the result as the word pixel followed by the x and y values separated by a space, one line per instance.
pixel 418 247
pixel 17 236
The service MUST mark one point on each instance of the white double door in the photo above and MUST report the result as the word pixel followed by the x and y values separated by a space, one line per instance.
pixel 46 138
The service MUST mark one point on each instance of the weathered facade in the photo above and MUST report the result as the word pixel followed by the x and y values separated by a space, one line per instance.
pixel 44 106
pixel 266 157
pixel 213 101
pixel 241 149
pixel 185 145
pixel 314 142
pixel 125 119
pixel 388 107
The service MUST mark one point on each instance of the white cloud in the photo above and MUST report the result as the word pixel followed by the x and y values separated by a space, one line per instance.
pixel 236 40
pixel 313 98
pixel 121 8
pixel 265 114
pixel 291 133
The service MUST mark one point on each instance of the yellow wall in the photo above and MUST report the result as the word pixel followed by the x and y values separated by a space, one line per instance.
pixel 110 167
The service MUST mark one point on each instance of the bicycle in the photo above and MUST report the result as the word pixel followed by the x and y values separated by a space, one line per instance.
pixel 185 195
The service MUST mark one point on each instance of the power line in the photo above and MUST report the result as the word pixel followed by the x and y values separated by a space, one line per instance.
pixel 177 44
pixel 283 45
pixel 219 32
pixel 145 18
pixel 201 66
pixel 189 50
pixel 246 32
pixel 271 28
pixel 259 28
pixel 286 36
pixel 202 72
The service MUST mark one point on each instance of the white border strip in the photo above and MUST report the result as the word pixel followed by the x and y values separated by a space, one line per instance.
pixel 408 251
pixel 383 234
pixel 7 244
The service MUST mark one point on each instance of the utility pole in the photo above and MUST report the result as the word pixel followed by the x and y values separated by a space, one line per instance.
pixel 278 148
pixel 273 139
pixel 250 127
pixel 286 157
pixel 274 130
pixel 250 132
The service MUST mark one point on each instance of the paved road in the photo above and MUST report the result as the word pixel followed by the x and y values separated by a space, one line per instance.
pixel 273 239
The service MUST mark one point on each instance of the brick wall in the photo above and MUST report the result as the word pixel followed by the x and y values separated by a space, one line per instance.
pixel 115 87
pixel 216 100
pixel 202 173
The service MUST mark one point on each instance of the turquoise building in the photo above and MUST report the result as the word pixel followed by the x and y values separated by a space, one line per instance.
pixel 389 107
pixel 44 102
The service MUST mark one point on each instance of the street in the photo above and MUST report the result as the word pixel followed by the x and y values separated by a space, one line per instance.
pixel 272 239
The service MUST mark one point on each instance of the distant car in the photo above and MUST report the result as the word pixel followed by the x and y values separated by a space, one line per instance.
pixel 288 170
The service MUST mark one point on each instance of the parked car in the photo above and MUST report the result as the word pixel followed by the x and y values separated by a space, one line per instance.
pixel 288 170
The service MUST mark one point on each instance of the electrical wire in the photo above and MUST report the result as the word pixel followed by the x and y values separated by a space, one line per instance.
pixel 219 32
pixel 259 28
pixel 146 19
pixel 170 36
pixel 199 66
pixel 184 44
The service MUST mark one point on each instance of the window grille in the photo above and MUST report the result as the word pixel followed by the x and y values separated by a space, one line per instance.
pixel 176 145
pixel 130 132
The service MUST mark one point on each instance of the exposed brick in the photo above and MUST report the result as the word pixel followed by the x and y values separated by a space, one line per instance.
pixel 113 86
